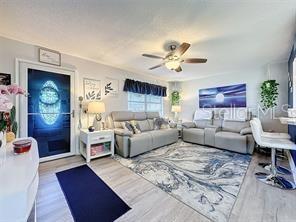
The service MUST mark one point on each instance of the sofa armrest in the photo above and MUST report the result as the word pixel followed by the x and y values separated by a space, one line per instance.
pixel 122 132
pixel 189 125
pixel 210 132
pixel 246 131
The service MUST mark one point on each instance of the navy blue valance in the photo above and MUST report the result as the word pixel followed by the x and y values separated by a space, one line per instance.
pixel 144 88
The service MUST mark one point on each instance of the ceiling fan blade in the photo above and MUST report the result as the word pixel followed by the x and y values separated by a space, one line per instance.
pixel 157 66
pixel 152 56
pixel 195 60
pixel 182 49
pixel 179 69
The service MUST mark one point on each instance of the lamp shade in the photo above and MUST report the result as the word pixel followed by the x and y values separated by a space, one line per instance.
pixel 176 109
pixel 96 107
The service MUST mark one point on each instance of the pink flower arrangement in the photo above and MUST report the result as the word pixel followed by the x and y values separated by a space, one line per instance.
pixel 6 92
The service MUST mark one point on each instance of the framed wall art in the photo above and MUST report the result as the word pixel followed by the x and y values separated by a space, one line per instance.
pixel 223 97
pixel 5 79
pixel 111 87
pixel 49 56
pixel 92 89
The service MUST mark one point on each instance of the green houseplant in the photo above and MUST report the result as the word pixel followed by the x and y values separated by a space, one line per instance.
pixel 269 94
pixel 175 98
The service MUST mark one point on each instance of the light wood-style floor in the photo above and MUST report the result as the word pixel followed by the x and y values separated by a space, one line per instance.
pixel 255 202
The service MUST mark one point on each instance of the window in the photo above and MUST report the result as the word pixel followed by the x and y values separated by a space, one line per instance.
pixel 140 103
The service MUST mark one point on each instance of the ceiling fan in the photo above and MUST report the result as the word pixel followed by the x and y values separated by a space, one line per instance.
pixel 174 58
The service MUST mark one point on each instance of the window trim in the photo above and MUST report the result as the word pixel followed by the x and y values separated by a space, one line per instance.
pixel 145 102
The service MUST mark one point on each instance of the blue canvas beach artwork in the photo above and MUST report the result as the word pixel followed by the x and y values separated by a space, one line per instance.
pixel 223 97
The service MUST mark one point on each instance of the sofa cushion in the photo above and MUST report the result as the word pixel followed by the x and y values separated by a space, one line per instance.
pixel 163 137
pixel 189 125
pixel 140 143
pixel 203 114
pixel 122 115
pixel 139 116
pixel 202 123
pixel 231 141
pixel 151 123
pixel 194 135
pixel 152 115
pixel 234 126
pixel 144 125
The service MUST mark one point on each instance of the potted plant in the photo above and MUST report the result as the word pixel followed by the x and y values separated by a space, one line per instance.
pixel 269 94
pixel 7 110
pixel 175 98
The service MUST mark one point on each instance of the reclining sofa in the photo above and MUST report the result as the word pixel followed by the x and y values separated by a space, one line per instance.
pixel 128 144
pixel 221 132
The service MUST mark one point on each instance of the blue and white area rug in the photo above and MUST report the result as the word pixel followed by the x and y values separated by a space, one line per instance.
pixel 206 179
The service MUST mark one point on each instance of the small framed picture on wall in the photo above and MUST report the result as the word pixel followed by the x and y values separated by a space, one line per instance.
pixel 49 56
pixel 111 87
pixel 5 79
pixel 92 89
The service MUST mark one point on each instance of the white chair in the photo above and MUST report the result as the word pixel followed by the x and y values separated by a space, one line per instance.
pixel 271 135
pixel 272 179
pixel 268 135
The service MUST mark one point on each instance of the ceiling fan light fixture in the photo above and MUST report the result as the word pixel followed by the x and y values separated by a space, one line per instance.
pixel 172 64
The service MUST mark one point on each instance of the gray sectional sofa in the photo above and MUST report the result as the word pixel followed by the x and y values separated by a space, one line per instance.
pixel 128 144
pixel 225 134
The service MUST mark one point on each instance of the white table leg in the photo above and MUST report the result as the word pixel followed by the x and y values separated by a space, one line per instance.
pixel 88 153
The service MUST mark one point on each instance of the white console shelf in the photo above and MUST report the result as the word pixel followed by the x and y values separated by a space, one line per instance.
pixel 88 139
pixel 18 183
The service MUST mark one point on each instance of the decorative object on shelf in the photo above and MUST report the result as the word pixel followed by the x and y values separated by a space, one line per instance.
pixel 91 129
pixel 176 109
pixel 5 79
pixel 269 94
pixel 7 110
pixel 49 56
pixel 223 97
pixel 22 146
pixel 175 98
pixel 96 108
pixel 111 87
pixel 92 89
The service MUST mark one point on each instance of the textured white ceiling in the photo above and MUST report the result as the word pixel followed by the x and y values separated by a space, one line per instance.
pixel 232 34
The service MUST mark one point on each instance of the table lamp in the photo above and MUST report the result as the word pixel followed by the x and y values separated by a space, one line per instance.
pixel 176 109
pixel 97 108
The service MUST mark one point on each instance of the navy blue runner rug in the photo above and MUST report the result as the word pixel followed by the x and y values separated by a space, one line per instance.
pixel 89 198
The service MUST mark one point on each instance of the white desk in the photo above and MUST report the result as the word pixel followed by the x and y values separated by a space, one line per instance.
pixel 18 183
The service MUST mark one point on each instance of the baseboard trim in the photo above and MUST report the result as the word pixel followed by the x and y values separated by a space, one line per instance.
pixel 292 165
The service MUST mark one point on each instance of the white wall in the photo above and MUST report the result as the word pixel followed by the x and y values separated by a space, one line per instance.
pixel 11 49
pixel 253 78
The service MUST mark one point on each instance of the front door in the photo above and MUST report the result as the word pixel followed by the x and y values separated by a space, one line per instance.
pixel 46 114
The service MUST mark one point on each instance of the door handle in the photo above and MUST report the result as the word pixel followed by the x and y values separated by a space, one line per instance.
pixel 73 113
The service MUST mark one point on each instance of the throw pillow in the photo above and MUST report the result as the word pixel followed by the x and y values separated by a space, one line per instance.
pixel 136 127
pixel 160 123
pixel 127 126
pixel 144 125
